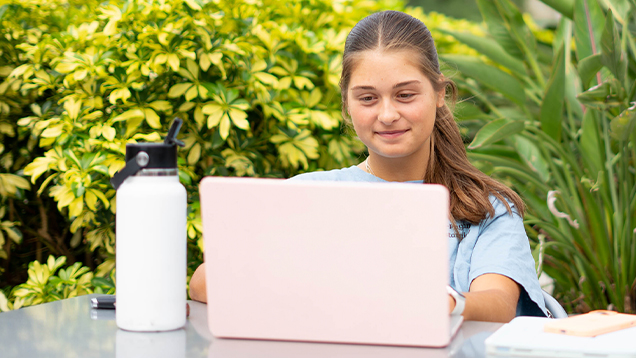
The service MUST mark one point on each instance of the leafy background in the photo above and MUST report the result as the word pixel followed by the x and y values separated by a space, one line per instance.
pixel 548 111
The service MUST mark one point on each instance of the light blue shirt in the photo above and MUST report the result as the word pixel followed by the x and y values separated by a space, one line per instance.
pixel 495 245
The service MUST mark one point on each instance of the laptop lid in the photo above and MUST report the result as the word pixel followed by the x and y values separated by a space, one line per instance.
pixel 326 261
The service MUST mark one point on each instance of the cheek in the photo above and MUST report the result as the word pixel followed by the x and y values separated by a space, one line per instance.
pixel 424 111
pixel 359 113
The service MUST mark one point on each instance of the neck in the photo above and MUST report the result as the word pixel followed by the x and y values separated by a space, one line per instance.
pixel 403 169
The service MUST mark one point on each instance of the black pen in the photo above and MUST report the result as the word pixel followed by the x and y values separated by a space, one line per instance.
pixel 103 302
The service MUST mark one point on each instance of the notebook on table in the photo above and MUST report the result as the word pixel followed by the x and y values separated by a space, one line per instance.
pixel 363 263
pixel 525 337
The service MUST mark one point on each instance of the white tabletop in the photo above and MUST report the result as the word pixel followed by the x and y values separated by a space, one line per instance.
pixel 70 328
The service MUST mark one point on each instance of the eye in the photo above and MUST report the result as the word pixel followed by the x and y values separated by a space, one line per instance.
pixel 405 95
pixel 367 99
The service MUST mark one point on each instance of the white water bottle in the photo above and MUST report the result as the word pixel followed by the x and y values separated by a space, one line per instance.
pixel 151 238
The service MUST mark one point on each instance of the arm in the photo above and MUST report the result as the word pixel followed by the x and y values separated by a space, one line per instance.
pixel 198 291
pixel 492 297
pixel 494 265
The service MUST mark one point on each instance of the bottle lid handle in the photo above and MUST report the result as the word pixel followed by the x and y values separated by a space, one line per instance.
pixel 171 138
pixel 132 167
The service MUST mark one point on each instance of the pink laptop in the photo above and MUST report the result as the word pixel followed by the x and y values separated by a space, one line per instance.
pixel 362 263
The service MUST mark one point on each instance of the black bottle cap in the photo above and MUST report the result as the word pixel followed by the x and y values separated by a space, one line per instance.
pixel 160 155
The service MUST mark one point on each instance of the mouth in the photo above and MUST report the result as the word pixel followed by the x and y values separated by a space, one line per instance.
pixel 392 134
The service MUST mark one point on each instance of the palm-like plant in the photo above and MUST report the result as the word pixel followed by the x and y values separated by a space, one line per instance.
pixel 558 123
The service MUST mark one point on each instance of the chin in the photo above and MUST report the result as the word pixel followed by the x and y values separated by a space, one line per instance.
pixel 392 154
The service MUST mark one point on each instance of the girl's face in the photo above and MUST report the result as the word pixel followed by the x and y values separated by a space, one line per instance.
pixel 392 104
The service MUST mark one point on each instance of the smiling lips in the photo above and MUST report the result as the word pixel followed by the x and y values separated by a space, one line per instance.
pixel 391 134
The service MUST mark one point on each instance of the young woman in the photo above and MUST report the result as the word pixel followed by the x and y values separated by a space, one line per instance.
pixel 394 95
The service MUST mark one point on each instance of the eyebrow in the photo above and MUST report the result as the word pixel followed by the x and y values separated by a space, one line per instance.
pixel 397 85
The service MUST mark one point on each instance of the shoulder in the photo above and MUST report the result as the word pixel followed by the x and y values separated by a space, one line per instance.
pixel 352 173
pixel 502 208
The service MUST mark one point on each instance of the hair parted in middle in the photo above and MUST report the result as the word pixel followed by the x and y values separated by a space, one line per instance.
pixel 448 163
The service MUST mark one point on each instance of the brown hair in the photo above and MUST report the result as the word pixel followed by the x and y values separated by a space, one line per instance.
pixel 448 164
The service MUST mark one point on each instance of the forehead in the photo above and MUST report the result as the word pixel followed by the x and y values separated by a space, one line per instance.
pixel 378 67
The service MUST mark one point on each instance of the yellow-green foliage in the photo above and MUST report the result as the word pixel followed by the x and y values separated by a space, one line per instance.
pixel 255 81
pixel 50 282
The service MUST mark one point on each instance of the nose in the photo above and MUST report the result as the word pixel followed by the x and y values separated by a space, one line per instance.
pixel 388 113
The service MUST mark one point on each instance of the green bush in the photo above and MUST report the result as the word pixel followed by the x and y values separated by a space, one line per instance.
pixel 255 81
pixel 44 285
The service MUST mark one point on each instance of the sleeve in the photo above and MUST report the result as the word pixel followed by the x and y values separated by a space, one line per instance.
pixel 502 247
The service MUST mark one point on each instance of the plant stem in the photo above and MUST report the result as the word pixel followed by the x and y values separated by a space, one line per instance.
pixel 534 65
pixel 521 176
pixel 616 215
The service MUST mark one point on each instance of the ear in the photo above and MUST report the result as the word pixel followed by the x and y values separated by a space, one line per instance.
pixel 441 95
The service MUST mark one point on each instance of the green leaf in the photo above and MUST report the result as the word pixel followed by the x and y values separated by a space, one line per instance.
pixel 266 78
pixel 77 270
pixel 162 106
pixel 496 131
pixel 588 68
pixel 607 94
pixel 588 26
pixel 101 197
pixel 324 120
pixel 53 264
pixel 195 154
pixel 591 142
pixel 173 61
pixel 303 82
pixel 152 118
pixel 38 167
pixel 465 110
pixel 239 118
pixel 565 7
pixel 179 89
pixel 554 98
pixel 517 27
pixel 13 233
pixel 131 114
pixel 620 9
pixel 224 126
pixel 623 125
pixel 186 106
pixel 91 200
pixel 101 281
pixel 120 93
pixel 611 48
pixel 193 5
pixel 4 303
pixel 498 28
pixel 294 151
pixel 489 76
pixel 492 50
pixel 193 68
pixel 12 181
pixel 53 131
pixel 531 154
pixel 66 67
pixel 191 93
